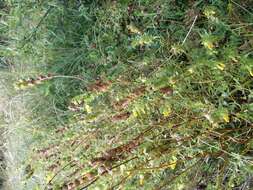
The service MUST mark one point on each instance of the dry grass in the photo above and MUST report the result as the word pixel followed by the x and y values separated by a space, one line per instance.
pixel 16 137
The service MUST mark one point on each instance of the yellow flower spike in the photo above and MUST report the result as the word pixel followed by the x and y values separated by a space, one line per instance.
pixel 221 66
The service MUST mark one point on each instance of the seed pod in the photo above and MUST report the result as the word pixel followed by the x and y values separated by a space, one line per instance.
pixel 166 90
pixel 77 182
pixel 49 75
pixel 101 170
pixel 99 86
pixel 88 176
pixel 139 91
pixel 122 116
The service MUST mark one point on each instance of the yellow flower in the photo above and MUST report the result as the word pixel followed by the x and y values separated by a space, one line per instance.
pixel 172 165
pixel 226 118
pixel 172 81
pixel 251 73
pixel 190 70
pixel 22 86
pixel 133 29
pixel 141 179
pixel 88 108
pixel 221 66
pixel 166 112
pixel 49 177
pixel 209 13
pixel 135 113
pixel 176 50
pixel 208 44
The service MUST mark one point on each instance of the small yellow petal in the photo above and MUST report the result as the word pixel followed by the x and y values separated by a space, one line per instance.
pixel 172 81
pixel 88 108
pixel 141 179
pixel 22 86
pixel 190 70
pixel 75 102
pixel 208 45
pixel 234 59
pixel 135 113
pixel 49 177
pixel 226 118
pixel 251 73
pixel 167 111
pixel 221 66
pixel 172 165
pixel 133 29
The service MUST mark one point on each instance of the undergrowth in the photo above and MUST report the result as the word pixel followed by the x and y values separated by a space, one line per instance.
pixel 133 94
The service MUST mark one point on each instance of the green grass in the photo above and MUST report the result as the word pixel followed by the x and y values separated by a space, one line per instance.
pixel 131 94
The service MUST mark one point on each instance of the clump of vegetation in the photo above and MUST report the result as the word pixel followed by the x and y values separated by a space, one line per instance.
pixel 143 94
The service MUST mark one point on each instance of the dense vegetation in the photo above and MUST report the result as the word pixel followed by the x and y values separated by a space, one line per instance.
pixel 133 94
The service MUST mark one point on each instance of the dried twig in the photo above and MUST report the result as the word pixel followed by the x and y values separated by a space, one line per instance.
pixel 187 35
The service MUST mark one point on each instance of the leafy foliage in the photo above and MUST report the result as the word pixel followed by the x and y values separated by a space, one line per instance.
pixel 144 98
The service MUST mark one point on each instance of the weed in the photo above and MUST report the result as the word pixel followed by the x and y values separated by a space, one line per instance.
pixel 144 94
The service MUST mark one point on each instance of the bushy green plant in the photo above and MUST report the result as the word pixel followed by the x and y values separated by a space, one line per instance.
pixel 148 94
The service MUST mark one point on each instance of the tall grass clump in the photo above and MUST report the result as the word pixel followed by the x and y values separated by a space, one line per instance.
pixel 132 94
